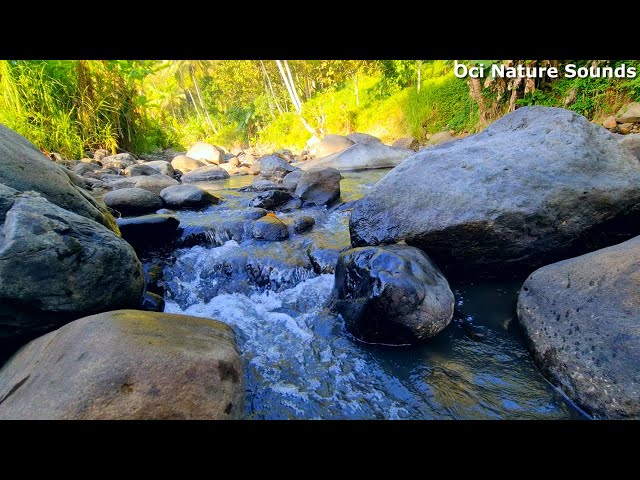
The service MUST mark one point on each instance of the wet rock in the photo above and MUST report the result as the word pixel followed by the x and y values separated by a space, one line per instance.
pixel 304 223
pixel 409 143
pixel 205 152
pixel 580 317
pixel 152 302
pixel 361 156
pixel 263 186
pixel 205 174
pixel 319 186
pixel 187 196
pixel 274 168
pixel 56 265
pixel 149 232
pixel 25 168
pixel 290 181
pixel 332 144
pixel 293 204
pixel 270 228
pixel 120 161
pixel 630 113
pixel 133 201
pixel 391 294
pixel 186 164
pixel 270 199
pixel 479 203
pixel 140 170
pixel 127 364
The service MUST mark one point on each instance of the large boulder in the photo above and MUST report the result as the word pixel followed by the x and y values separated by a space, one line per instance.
pixel 23 167
pixel 162 166
pixel 319 186
pixel 363 138
pixel 290 180
pixel 205 174
pixel 538 185
pixel 187 196
pixel 274 168
pixel 631 142
pixel 149 232
pixel 332 144
pixel 270 228
pixel 186 164
pixel 630 113
pixel 127 364
pixel 56 265
pixel 205 152
pixel 391 294
pixel 133 201
pixel 361 156
pixel 582 319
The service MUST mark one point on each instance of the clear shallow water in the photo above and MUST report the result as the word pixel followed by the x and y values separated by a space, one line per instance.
pixel 299 360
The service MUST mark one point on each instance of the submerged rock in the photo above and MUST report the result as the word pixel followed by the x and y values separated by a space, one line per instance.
pixel 56 265
pixel 581 317
pixel 25 168
pixel 187 196
pixel 133 201
pixel 391 294
pixel 304 223
pixel 537 185
pixel 127 364
pixel 270 228
pixel 319 186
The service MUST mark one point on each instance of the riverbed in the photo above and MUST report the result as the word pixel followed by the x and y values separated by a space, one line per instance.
pixel 300 363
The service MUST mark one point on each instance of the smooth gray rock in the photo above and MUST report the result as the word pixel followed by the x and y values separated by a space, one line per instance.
pixel 187 196
pixel 140 170
pixel 538 185
pixel 270 199
pixel 127 364
pixel 205 152
pixel 187 164
pixel 363 138
pixel 332 144
pixel 162 167
pixel 582 319
pixel 290 180
pixel 133 201
pixel 361 156
pixel 23 167
pixel 120 161
pixel 274 168
pixel 83 168
pixel 270 228
pixel 391 294
pixel 319 186
pixel 56 265
pixel 631 142
pixel 205 174
pixel 153 183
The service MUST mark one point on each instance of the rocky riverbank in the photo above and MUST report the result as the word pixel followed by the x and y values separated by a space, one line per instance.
pixel 539 186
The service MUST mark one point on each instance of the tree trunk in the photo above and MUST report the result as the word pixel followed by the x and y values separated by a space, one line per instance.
pixel 266 74
pixel 293 86
pixel 293 97
pixel 202 105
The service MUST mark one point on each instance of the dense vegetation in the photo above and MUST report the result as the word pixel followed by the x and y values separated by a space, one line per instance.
pixel 141 106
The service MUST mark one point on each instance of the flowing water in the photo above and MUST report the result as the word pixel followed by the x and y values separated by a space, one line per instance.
pixel 299 360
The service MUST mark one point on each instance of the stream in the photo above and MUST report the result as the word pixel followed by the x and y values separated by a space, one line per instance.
pixel 299 361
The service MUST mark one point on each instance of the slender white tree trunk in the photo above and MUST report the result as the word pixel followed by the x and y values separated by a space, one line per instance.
pixel 266 74
pixel 292 95
pixel 202 105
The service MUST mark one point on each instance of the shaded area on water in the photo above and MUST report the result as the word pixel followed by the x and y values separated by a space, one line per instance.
pixel 301 363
